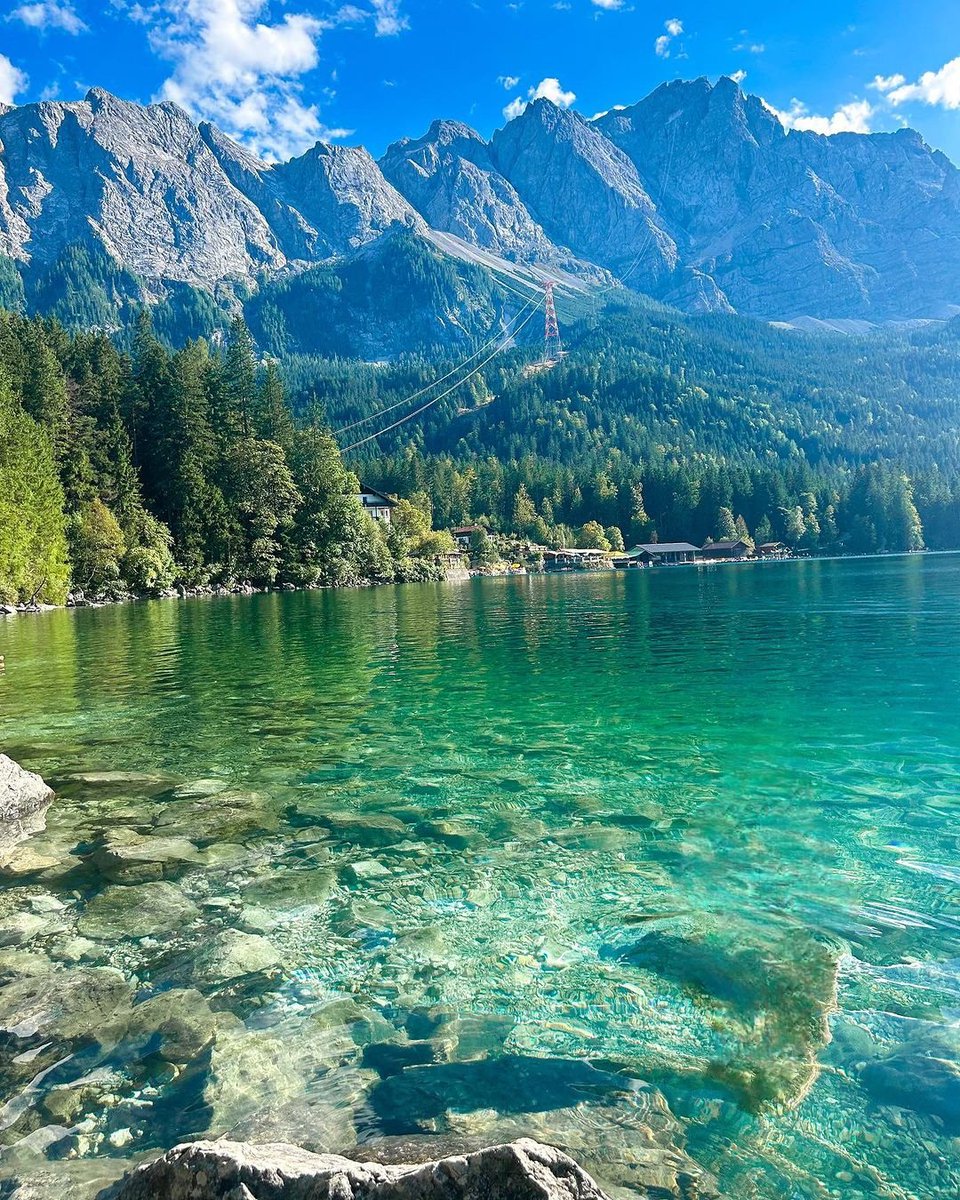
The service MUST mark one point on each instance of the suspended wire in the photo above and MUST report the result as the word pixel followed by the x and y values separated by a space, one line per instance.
pixel 433 383
pixel 534 299
pixel 423 408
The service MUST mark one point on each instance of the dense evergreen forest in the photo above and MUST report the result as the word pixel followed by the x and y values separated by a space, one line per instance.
pixel 130 462
pixel 663 426
pixel 128 472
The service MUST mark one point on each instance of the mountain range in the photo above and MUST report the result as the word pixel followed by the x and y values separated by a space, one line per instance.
pixel 697 196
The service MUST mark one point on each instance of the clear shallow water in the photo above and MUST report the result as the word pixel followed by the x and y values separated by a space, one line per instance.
pixel 660 867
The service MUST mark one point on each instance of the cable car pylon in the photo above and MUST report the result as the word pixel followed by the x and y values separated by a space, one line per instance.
pixel 553 350
pixel 552 347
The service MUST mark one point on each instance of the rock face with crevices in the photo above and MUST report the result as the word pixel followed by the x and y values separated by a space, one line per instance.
pixel 24 799
pixel 697 194
pixel 521 1170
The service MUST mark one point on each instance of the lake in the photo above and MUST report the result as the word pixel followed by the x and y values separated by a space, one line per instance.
pixel 659 866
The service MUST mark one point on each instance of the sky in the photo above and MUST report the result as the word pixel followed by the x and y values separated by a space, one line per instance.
pixel 278 76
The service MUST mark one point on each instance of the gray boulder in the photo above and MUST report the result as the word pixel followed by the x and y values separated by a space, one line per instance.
pixel 522 1170
pixel 24 799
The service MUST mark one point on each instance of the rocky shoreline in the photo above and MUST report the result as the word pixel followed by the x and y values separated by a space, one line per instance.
pixel 224 1170
pixel 210 591
pixel 207 591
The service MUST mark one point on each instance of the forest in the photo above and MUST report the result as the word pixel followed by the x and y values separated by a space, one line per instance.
pixel 124 472
pixel 130 463
pixel 663 426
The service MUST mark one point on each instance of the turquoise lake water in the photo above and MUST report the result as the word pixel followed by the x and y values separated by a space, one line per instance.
pixel 661 867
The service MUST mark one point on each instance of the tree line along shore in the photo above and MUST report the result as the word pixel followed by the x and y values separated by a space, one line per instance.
pixel 138 468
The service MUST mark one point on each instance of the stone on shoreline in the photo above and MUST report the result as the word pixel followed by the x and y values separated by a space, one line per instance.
pixel 521 1170
pixel 24 799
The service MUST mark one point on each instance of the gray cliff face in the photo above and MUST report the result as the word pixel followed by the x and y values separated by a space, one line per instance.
pixel 171 202
pixel 141 181
pixel 327 202
pixel 697 195
pixel 522 1170
pixel 343 196
pixel 450 178
pixel 586 192
pixel 790 223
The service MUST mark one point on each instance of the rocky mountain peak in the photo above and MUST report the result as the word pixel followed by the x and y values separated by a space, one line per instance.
pixel 450 178
pixel 697 192
pixel 583 189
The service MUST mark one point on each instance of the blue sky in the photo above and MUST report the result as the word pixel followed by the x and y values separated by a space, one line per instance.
pixel 279 75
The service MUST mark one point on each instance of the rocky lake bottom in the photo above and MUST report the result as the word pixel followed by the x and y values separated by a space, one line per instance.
pixel 662 870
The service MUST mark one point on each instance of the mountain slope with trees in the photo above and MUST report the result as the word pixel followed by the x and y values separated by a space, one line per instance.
pixel 128 472
pixel 132 466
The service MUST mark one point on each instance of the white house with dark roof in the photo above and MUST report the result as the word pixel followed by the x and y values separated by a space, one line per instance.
pixel 376 503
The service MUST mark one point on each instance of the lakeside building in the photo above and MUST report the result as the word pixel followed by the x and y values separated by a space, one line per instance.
pixel 463 535
pixel 575 560
pixel 734 548
pixel 773 550
pixel 376 504
pixel 668 553
pixel 632 560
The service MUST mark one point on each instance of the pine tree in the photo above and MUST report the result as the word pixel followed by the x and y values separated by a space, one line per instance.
pixel 33 546
pixel 239 382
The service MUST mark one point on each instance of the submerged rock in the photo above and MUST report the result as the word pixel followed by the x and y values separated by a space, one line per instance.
pixel 366 829
pixel 232 954
pixel 118 779
pixel 127 856
pixel 24 799
pixel 54 1001
pixel 523 1170
pixel 772 1001
pixel 291 1081
pixel 923 1074
pixel 136 911
pixel 222 816
pixel 176 1025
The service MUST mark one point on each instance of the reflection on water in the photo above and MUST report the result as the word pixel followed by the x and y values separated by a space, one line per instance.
pixel 660 867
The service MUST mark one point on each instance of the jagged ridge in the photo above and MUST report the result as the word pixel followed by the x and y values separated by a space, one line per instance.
pixel 697 194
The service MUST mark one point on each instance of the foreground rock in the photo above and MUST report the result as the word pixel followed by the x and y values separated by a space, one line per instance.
pixel 24 799
pixel 522 1170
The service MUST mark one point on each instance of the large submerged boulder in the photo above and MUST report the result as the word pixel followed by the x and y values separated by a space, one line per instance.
pixel 24 799
pixel 522 1170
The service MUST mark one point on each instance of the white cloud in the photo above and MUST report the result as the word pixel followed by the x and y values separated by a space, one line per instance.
pixel 613 108
pixel 546 89
pixel 739 76
pixel 514 108
pixel 508 82
pixel 750 47
pixel 938 88
pixel 234 67
pixel 886 83
pixel 609 5
pixel 661 47
pixel 12 81
pixel 388 20
pixel 854 117
pixel 49 14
